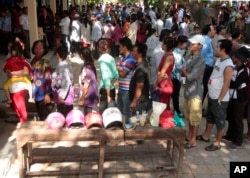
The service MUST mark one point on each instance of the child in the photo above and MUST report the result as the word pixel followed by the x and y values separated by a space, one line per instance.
pixel 88 82
pixel 16 86
pixel 62 82
pixel 17 68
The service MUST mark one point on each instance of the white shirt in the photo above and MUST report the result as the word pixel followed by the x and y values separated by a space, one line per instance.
pixel 216 80
pixel 132 32
pixel 152 43
pixel 96 31
pixel 85 33
pixel 75 31
pixel 64 24
pixel 24 21
pixel 155 61
pixel 158 26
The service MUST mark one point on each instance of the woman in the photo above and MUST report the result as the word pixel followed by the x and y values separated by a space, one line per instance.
pixel 87 82
pixel 108 75
pixel 42 71
pixel 116 36
pixel 176 74
pixel 85 31
pixel 165 70
pixel 238 91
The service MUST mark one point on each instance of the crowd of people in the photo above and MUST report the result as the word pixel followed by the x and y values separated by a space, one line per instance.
pixel 150 54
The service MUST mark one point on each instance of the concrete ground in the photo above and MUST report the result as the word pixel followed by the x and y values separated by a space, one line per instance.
pixel 198 163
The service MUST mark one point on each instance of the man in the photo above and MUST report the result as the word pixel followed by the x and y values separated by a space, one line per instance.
pixel 65 24
pixel 193 71
pixel 96 33
pixel 218 93
pixel 139 85
pixel 236 37
pixel 220 34
pixel 125 69
pixel 207 53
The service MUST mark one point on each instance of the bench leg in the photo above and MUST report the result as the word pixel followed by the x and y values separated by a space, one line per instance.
pixel 21 163
pixel 180 161
pixel 101 159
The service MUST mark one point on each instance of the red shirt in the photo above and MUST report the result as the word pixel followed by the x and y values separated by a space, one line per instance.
pixel 16 64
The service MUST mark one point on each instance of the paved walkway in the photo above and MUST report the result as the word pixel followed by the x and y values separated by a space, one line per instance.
pixel 198 163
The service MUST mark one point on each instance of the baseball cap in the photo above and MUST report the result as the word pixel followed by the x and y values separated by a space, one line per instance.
pixel 197 39
pixel 242 54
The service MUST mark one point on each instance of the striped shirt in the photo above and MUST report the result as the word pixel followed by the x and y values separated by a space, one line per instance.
pixel 127 64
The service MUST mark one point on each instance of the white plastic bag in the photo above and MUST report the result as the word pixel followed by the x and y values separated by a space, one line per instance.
pixel 158 108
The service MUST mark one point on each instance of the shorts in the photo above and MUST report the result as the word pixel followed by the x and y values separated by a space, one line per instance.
pixel 217 113
pixel 193 111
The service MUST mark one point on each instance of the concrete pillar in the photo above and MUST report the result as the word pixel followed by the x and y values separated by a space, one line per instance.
pixel 65 4
pixel 32 16
pixel 53 6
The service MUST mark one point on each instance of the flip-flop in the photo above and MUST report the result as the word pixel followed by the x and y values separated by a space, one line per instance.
pixel 187 140
pixel 200 137
pixel 188 146
pixel 212 147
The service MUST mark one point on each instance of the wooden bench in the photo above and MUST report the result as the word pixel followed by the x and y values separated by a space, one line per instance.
pixel 38 132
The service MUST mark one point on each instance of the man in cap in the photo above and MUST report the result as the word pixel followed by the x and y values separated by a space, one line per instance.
pixel 238 91
pixel 193 91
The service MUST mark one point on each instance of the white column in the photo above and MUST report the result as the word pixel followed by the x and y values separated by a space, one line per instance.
pixel 65 4
pixel 53 6
pixel 32 16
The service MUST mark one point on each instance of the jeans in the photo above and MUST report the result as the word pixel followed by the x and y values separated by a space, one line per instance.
pixel 123 104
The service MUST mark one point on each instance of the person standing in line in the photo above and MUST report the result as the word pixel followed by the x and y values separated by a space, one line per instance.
pixel 155 61
pixel 125 68
pixel 238 95
pixel 218 93
pixel 96 33
pixel 62 82
pixel 139 85
pixel 176 74
pixel 132 30
pixel 193 88
pixel 42 72
pixel 165 69
pixel 207 53
pixel 64 24
pixel 108 76
pixel 88 87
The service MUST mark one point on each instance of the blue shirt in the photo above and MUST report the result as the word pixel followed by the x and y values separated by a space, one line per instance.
pixel 128 64
pixel 207 51
pixel 179 62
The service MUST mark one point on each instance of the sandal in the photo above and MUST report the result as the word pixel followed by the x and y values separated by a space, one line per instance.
pixel 200 137
pixel 188 146
pixel 212 147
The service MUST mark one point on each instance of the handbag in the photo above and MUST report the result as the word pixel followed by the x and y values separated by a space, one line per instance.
pixel 166 86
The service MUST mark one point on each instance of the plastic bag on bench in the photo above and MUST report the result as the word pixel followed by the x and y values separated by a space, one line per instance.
pixel 158 108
